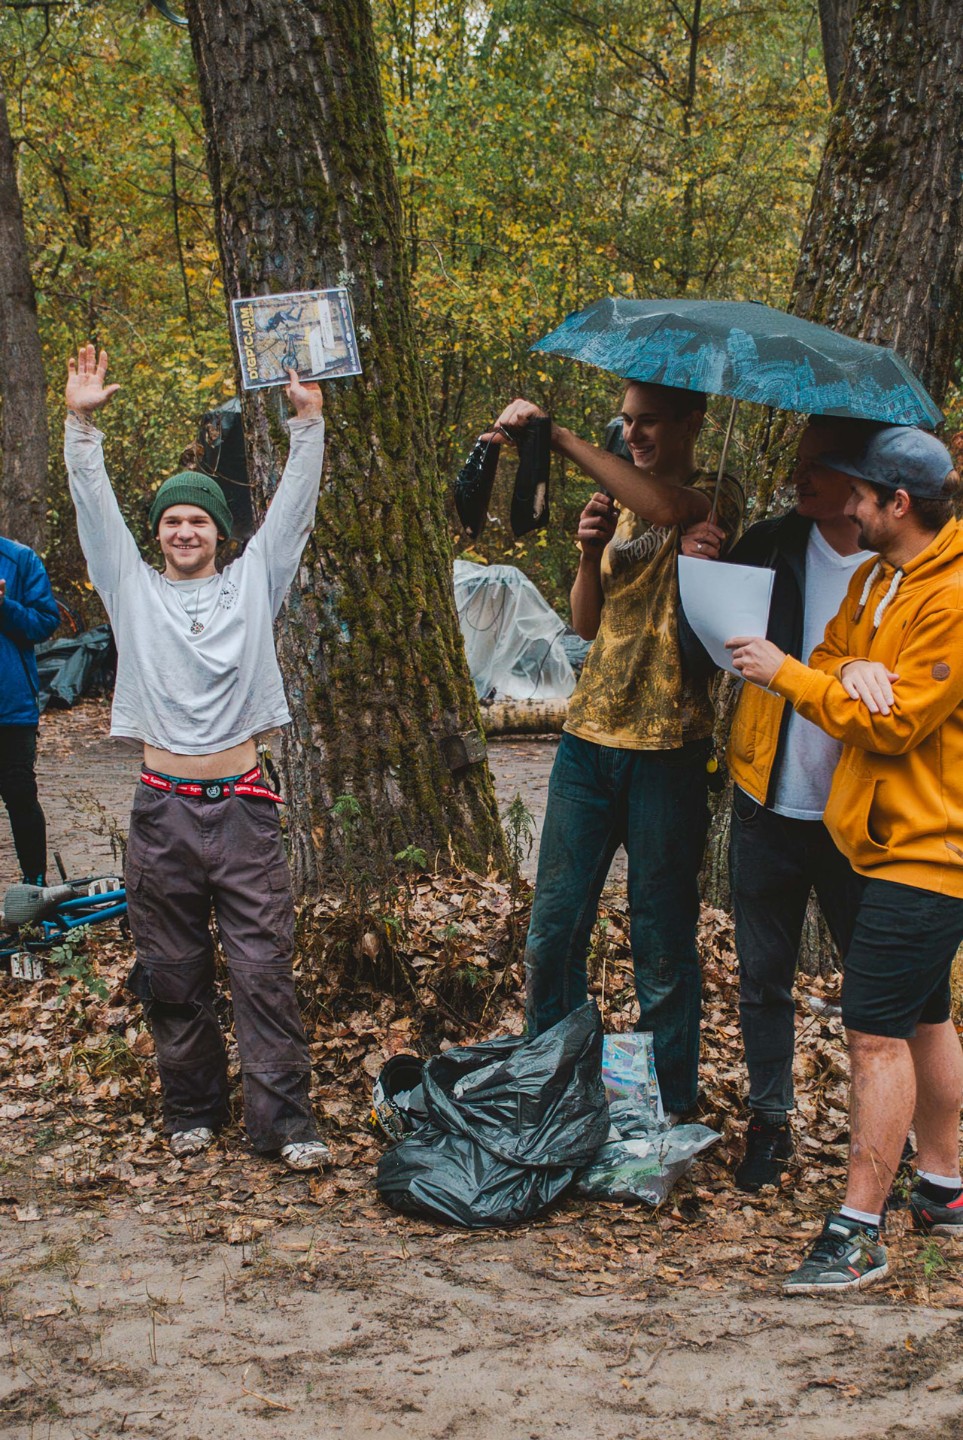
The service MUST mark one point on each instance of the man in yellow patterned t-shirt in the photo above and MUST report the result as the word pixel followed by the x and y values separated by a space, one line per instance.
pixel 631 764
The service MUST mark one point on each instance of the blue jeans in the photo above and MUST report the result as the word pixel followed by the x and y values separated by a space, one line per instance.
pixel 654 803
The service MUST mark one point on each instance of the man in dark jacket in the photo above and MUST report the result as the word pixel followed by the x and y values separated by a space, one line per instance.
pixel 782 767
pixel 28 614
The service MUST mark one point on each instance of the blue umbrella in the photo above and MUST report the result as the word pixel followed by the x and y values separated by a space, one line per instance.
pixel 747 351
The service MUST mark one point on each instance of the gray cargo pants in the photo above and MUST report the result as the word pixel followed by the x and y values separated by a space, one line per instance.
pixel 184 856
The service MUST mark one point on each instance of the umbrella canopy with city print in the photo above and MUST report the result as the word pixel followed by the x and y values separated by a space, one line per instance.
pixel 747 351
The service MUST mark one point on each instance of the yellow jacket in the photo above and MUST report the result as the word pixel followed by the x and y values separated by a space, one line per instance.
pixel 760 717
pixel 896 803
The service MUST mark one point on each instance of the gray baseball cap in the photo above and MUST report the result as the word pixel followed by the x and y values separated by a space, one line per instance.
pixel 900 457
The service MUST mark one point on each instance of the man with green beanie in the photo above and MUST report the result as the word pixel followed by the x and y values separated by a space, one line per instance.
pixel 197 682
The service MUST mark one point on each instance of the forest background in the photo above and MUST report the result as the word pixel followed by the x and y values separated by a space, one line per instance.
pixel 547 154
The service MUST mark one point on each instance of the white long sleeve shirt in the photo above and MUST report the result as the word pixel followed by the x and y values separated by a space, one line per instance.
pixel 195 694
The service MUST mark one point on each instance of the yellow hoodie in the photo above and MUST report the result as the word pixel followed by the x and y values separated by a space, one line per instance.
pixel 896 804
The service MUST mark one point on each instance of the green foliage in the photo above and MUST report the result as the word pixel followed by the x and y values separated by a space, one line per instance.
pixel 104 112
pixel 413 858
pixel 549 155
pixel 519 825
pixel 347 809
pixel 74 966
pixel 546 155
pixel 933 1264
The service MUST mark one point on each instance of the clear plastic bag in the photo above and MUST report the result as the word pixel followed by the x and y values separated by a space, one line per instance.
pixel 628 1074
pixel 513 638
pixel 643 1167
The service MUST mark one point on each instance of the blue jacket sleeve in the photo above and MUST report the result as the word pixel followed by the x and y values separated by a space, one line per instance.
pixel 32 615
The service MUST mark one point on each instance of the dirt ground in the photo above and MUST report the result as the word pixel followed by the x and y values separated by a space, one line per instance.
pixel 208 1299
pixel 118 1322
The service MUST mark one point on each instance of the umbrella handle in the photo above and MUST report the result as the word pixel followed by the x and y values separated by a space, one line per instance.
pixel 722 461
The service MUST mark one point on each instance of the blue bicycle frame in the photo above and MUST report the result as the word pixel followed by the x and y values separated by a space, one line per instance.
pixel 68 915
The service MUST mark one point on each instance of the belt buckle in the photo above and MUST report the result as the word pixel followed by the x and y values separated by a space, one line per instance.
pixel 214 791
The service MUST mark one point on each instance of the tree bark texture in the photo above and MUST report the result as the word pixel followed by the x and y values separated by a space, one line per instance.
pixel 836 26
pixel 24 434
pixel 881 257
pixel 305 197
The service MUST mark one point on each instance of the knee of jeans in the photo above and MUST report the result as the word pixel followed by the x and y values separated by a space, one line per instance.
pixel 669 969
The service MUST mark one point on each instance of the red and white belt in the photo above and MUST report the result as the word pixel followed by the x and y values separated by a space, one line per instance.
pixel 212 790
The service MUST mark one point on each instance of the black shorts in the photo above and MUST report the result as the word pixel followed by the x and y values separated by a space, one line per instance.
pixel 896 973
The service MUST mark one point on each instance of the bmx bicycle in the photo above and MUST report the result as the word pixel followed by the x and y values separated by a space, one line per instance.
pixel 38 917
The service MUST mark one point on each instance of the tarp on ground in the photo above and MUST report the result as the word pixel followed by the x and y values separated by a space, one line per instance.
pixel 517 647
pixel 77 665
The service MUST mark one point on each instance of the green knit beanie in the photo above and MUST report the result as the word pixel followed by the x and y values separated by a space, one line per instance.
pixel 190 487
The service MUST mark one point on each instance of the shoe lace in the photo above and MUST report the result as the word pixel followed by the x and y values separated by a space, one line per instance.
pixel 830 1246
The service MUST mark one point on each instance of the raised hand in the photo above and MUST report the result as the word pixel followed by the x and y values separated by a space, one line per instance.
pixel 517 414
pixel 86 390
pixel 305 396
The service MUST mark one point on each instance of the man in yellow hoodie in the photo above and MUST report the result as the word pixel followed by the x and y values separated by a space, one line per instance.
pixel 888 682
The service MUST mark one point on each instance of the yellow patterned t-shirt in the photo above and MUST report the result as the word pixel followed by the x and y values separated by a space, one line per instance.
pixel 632 694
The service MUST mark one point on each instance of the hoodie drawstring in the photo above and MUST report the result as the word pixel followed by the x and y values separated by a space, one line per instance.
pixel 871 579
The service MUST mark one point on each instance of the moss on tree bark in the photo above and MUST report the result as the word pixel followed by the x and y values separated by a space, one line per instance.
pixel 24 434
pixel 305 197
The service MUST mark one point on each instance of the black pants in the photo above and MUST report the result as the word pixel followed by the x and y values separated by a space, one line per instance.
pixel 18 790
pixel 185 858
pixel 774 863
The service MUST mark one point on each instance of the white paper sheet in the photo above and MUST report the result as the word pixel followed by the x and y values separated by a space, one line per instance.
pixel 722 601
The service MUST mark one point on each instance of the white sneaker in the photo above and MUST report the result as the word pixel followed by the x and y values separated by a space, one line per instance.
pixel 191 1142
pixel 306 1155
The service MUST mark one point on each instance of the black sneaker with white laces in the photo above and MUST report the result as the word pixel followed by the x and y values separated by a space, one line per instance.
pixel 768 1151
pixel 847 1256
pixel 934 1217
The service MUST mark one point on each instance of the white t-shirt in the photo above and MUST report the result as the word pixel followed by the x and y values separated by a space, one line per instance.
pixel 196 666
pixel 809 755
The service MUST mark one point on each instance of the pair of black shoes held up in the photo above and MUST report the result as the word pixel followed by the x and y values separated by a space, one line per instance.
pixel 473 488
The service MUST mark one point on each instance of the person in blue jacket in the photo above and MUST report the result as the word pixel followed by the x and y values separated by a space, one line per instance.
pixel 28 615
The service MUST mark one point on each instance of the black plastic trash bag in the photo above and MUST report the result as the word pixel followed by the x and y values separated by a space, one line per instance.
pixel 75 666
pixel 510 1123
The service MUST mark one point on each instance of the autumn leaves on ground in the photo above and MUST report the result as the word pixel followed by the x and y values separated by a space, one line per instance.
pixel 132 1281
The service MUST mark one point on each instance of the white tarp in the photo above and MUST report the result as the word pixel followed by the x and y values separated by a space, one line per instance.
pixel 513 637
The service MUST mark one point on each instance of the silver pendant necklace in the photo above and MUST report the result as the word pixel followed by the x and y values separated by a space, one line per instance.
pixel 196 625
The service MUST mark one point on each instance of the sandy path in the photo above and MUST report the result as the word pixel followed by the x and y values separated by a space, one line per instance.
pixel 123 1323
pixel 131 1314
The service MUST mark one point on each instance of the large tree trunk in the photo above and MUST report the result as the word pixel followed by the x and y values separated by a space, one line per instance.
pixel 24 436
pixel 882 253
pixel 305 197
pixel 836 25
